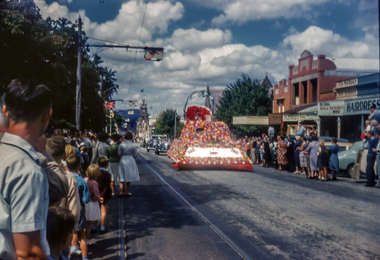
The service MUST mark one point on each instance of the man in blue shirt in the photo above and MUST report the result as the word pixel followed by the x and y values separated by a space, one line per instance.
pixel 374 115
pixel 301 130
pixel 24 187
pixel 371 158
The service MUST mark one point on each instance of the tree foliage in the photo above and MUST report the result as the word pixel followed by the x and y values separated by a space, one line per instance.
pixel 245 97
pixel 46 50
pixel 165 123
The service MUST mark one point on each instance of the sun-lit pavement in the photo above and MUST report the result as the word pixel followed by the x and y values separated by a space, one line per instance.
pixel 266 213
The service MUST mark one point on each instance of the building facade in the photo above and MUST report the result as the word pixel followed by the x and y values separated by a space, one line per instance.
pixel 309 82
pixel 345 117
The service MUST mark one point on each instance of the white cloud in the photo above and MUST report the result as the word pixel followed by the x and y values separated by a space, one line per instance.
pixel 127 24
pixel 192 39
pixel 320 41
pixel 242 11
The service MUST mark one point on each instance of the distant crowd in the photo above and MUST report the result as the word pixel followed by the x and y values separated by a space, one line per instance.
pixel 55 186
pixel 309 155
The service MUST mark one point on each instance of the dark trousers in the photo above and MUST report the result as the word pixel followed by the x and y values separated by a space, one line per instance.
pixel 271 138
pixel 370 170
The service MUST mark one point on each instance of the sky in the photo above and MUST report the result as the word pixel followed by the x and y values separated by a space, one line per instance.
pixel 211 42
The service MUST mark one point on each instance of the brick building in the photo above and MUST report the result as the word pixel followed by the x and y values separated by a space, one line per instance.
pixel 311 81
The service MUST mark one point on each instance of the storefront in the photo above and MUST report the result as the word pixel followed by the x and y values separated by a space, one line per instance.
pixel 307 116
pixel 345 117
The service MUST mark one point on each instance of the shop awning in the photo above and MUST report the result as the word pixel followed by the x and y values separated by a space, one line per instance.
pixel 309 110
pixel 250 120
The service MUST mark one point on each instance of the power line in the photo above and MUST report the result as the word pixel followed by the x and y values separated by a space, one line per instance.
pixel 134 62
pixel 103 40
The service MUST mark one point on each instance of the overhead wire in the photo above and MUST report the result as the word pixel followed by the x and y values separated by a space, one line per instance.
pixel 138 43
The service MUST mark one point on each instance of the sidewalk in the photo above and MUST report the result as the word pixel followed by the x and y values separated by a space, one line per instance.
pixel 106 246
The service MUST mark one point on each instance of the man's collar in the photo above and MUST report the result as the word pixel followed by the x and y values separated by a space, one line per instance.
pixel 17 141
pixel 103 169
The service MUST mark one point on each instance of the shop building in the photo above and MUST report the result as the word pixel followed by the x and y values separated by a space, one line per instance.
pixel 345 117
pixel 310 82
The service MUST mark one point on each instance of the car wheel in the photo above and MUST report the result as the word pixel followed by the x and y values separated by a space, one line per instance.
pixel 350 170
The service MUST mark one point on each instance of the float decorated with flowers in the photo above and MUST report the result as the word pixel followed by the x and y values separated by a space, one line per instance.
pixel 207 144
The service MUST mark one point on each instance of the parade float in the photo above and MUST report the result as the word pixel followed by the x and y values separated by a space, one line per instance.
pixel 206 144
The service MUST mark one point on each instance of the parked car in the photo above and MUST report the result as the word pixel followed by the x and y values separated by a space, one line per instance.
pixel 347 158
pixel 326 138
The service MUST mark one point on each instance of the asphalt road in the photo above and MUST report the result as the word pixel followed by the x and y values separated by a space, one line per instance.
pixel 268 214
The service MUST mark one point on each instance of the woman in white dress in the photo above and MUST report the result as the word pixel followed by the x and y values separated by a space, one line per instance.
pixel 128 171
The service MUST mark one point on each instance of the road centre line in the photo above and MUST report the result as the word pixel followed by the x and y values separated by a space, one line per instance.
pixel 234 246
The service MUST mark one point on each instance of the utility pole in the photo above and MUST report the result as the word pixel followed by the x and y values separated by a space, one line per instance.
pixel 175 123
pixel 79 76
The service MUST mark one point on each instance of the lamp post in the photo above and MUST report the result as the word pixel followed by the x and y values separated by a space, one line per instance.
pixel 339 126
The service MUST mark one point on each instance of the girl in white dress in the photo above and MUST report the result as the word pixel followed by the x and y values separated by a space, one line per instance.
pixel 128 171
pixel 92 208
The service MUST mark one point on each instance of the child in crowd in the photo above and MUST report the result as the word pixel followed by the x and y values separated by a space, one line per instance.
pixel 60 225
pixel 92 208
pixel 86 158
pixel 73 164
pixel 104 181
pixel 56 147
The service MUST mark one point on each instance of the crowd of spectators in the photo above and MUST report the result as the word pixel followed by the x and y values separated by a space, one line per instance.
pixel 310 156
pixel 55 185
pixel 299 155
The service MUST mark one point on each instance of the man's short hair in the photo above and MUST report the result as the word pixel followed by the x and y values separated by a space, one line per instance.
pixel 60 225
pixel 370 132
pixel 27 99
pixel 115 138
pixel 103 161
pixel 128 136
pixel 73 162
pixel 373 107
pixel 56 146
pixel 73 143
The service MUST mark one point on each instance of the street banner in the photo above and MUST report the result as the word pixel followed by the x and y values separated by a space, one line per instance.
pixel 132 103
pixel 110 105
pixel 154 54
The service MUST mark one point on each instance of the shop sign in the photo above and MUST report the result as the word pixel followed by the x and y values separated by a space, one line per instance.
pixel 290 117
pixel 334 108
pixel 304 117
pixel 298 117
pixel 346 83
pixel 360 106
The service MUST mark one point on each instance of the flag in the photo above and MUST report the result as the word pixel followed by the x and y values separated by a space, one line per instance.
pixel 110 105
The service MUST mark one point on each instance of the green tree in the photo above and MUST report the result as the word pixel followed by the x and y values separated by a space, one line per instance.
pixel 47 51
pixel 245 97
pixel 165 123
